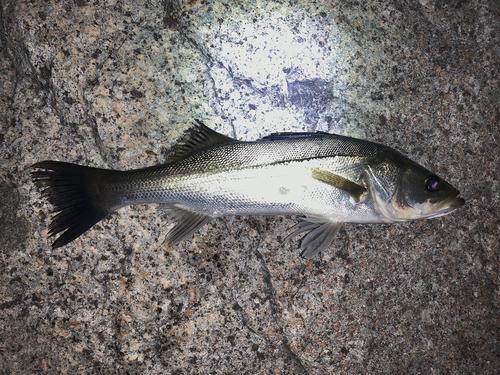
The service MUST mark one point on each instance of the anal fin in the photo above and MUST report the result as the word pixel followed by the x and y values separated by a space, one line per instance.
pixel 187 223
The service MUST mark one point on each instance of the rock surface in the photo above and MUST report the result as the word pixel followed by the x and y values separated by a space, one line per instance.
pixel 114 83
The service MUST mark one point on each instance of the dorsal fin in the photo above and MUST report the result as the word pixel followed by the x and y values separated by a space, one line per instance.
pixel 200 137
pixel 288 135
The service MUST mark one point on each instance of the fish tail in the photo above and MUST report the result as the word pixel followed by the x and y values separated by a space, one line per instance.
pixel 74 191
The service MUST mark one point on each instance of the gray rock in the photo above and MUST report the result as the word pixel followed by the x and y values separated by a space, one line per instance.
pixel 114 83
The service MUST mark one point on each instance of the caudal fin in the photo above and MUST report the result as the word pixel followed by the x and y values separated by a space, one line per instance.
pixel 74 192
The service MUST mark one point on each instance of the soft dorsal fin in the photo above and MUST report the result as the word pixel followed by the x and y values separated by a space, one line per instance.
pixel 288 135
pixel 199 137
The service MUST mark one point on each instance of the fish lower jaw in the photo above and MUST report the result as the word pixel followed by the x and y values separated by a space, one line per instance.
pixel 456 203
pixel 400 214
pixel 448 210
pixel 432 210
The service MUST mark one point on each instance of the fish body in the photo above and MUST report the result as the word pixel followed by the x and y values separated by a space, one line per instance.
pixel 328 178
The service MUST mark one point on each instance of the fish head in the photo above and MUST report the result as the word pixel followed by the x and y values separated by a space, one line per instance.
pixel 404 190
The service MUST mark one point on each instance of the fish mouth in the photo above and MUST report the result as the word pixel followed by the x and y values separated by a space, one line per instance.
pixel 456 203
pixel 446 205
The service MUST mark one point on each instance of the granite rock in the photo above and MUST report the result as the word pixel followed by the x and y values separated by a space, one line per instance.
pixel 114 83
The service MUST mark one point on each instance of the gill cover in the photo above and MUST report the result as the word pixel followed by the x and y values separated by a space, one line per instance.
pixel 403 190
pixel 383 178
pixel 428 194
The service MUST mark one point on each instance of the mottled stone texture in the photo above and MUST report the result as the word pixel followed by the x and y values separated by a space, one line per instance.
pixel 114 83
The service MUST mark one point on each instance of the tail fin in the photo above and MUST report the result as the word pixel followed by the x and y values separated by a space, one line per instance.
pixel 74 191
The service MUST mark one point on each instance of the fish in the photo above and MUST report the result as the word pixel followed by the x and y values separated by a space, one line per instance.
pixel 324 179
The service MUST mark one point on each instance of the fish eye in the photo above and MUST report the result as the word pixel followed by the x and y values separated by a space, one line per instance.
pixel 432 182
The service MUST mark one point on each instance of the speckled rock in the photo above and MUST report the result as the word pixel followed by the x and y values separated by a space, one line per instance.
pixel 114 83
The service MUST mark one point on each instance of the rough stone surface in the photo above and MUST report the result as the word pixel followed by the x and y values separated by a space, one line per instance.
pixel 114 83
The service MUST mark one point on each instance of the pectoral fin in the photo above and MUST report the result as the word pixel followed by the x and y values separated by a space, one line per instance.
pixel 354 190
pixel 321 234
pixel 187 223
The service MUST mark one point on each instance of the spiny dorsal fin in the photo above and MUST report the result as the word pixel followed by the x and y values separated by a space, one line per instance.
pixel 200 137
pixel 354 190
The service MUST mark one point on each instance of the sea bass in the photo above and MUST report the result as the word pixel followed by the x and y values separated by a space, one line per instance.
pixel 328 179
